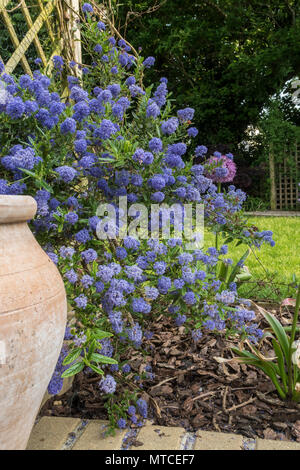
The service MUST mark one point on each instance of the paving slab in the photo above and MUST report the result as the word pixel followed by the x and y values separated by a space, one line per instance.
pixel 54 433
pixel 208 440
pixel 159 438
pixel 50 433
pixel 268 444
pixel 93 438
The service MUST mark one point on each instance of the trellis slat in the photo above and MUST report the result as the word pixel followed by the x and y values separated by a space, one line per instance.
pixel 36 40
pixel 28 38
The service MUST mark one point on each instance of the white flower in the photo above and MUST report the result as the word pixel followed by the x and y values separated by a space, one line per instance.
pixel 296 354
pixel 297 387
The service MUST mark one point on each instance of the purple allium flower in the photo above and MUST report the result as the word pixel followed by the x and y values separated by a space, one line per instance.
pixel 99 286
pixel 226 164
pixel 160 94
pixel 105 273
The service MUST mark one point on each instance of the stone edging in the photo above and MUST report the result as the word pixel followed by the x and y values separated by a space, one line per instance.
pixel 53 433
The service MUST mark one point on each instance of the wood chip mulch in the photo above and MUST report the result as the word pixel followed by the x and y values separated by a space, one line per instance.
pixel 194 388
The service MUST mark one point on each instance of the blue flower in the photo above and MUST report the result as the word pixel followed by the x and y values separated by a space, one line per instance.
pixel 186 114
pixel 66 173
pixel 149 62
pixel 108 384
pixel 68 125
pixel 169 127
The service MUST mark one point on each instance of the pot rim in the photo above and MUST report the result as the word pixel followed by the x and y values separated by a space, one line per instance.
pixel 14 209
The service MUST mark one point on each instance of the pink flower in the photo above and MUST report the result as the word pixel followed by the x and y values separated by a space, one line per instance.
pixel 221 169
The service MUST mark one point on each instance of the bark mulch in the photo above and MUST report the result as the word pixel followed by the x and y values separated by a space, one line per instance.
pixel 194 389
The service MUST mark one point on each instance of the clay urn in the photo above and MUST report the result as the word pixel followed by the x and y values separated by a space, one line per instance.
pixel 33 312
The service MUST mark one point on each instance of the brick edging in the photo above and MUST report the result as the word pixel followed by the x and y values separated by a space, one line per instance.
pixel 54 433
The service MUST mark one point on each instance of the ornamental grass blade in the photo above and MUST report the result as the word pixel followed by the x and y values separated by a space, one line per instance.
pixel 278 331
pixel 281 363
pixel 237 267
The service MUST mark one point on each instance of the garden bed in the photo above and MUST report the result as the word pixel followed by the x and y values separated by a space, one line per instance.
pixel 193 388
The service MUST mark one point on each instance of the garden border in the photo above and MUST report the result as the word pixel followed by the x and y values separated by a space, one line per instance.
pixel 55 433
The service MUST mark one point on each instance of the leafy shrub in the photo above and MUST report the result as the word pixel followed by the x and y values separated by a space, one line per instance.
pixel 109 139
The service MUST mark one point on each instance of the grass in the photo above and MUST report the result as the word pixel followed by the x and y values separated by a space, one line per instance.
pixel 273 273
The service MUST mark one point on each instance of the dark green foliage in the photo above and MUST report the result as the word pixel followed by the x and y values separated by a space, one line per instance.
pixel 225 58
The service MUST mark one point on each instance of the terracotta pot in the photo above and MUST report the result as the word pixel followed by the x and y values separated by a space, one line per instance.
pixel 33 312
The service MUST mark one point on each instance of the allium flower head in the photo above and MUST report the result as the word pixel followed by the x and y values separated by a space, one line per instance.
pixel 228 169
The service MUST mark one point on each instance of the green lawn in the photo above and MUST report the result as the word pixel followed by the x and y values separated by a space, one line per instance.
pixel 281 261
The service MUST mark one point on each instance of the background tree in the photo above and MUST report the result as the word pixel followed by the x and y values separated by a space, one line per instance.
pixel 226 58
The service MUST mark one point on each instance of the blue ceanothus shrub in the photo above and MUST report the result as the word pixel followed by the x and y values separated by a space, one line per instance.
pixel 112 137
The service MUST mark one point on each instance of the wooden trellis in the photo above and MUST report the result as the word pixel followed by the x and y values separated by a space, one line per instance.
pixel 284 178
pixel 65 36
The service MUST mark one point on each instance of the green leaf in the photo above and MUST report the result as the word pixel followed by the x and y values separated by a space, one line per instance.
pixel 73 370
pixel 236 268
pixel 99 334
pixel 103 359
pixel 279 332
pixel 96 369
pixel 281 363
pixel 72 356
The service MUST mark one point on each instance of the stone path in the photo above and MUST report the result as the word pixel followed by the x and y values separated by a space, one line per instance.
pixel 52 433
